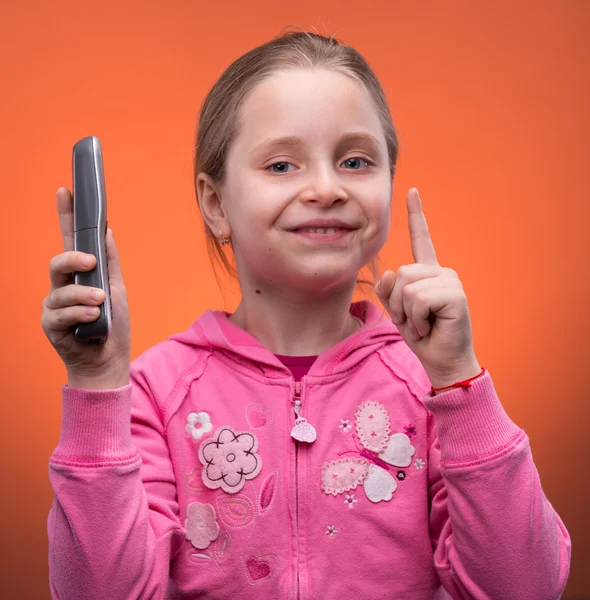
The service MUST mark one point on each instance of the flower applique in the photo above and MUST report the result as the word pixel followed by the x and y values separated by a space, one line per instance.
pixel 419 463
pixel 410 430
pixel 345 425
pixel 379 449
pixel 229 458
pixel 350 501
pixel 198 424
pixel 201 525
pixel 331 530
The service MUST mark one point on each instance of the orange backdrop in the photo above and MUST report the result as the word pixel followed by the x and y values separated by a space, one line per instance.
pixel 491 104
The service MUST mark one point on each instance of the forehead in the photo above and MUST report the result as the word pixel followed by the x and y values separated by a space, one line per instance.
pixel 312 104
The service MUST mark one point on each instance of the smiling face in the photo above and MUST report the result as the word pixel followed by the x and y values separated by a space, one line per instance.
pixel 334 167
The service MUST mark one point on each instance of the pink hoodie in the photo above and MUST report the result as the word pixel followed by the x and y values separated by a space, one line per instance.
pixel 187 483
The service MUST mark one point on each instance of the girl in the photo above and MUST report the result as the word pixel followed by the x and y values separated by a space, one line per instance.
pixel 301 447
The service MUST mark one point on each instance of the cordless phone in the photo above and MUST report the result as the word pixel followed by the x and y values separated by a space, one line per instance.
pixel 90 227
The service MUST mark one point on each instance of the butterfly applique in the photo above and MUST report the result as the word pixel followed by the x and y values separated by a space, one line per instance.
pixel 370 467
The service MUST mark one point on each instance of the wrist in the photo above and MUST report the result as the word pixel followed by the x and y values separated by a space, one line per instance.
pixel 97 384
pixel 106 381
pixel 449 381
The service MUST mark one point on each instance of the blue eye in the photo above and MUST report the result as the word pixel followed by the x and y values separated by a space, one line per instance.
pixel 279 163
pixel 359 158
pixel 369 163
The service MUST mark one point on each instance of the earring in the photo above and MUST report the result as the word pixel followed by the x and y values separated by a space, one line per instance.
pixel 224 240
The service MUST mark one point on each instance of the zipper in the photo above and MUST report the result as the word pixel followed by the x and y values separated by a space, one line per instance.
pixel 297 408
pixel 302 431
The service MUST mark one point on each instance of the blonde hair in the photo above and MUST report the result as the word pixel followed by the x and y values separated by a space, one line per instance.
pixel 217 127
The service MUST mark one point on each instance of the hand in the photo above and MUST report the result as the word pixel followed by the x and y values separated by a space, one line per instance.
pixel 428 304
pixel 88 365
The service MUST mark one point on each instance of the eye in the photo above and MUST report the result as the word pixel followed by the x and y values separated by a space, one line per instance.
pixel 369 163
pixel 279 163
pixel 348 160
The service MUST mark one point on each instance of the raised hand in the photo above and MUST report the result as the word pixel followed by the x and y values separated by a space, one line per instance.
pixel 429 307
pixel 104 366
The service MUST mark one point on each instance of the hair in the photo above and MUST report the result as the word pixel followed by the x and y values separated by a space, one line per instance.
pixel 217 126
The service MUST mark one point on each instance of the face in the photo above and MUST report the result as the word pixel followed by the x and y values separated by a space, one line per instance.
pixel 328 173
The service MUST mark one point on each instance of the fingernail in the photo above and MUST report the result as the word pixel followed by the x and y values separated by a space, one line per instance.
pixel 96 294
pixel 86 261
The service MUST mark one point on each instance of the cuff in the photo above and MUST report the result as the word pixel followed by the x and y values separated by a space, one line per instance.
pixel 471 422
pixel 96 426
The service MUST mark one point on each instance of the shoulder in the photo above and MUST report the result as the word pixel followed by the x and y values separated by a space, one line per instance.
pixel 167 369
pixel 405 365
pixel 170 357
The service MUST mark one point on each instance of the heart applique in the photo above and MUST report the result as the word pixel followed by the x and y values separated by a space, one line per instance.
pixel 258 416
pixel 258 567
pixel 303 431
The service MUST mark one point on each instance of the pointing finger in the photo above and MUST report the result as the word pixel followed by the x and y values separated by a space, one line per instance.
pixel 422 246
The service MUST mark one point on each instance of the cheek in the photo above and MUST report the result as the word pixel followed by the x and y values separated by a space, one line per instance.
pixel 254 237
pixel 255 206
pixel 379 215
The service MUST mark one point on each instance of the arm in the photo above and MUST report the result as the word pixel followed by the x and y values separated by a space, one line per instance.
pixel 494 532
pixel 113 527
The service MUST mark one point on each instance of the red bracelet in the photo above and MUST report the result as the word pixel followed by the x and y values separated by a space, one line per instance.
pixel 466 383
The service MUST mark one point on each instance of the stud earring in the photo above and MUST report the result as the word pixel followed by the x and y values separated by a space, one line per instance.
pixel 224 240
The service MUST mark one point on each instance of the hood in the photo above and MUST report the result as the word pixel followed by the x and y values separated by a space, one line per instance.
pixel 213 330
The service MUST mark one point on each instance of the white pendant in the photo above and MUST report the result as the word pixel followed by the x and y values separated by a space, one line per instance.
pixel 303 431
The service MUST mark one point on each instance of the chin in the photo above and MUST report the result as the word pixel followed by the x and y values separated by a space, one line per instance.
pixel 322 280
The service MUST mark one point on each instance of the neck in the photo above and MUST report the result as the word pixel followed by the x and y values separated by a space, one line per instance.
pixel 296 326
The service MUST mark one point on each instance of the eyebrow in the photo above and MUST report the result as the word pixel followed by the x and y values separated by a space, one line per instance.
pixel 292 141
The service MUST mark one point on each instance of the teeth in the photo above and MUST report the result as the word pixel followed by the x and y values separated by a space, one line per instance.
pixel 320 229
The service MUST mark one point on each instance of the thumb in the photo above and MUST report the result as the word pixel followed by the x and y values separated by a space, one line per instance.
pixel 114 264
pixel 384 287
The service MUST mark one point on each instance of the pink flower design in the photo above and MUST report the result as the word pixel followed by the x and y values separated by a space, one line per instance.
pixel 410 429
pixel 229 459
pixel 201 526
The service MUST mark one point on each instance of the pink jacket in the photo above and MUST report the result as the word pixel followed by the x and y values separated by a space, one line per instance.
pixel 188 483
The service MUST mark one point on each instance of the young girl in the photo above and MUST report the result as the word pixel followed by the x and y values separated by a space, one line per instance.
pixel 301 447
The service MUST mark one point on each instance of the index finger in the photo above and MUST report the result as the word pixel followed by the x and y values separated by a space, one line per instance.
pixel 65 208
pixel 422 246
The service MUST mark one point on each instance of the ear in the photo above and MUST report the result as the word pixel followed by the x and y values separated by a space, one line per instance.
pixel 211 205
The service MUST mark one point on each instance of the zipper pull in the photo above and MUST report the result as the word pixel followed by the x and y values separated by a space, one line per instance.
pixel 302 430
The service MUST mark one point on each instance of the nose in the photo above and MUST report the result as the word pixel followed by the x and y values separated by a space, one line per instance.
pixel 324 187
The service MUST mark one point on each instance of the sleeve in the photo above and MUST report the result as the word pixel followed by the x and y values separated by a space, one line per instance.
pixel 113 526
pixel 494 532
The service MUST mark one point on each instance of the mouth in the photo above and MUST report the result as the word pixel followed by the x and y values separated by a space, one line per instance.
pixel 323 234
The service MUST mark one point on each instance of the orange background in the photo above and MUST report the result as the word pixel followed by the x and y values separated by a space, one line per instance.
pixel 490 100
